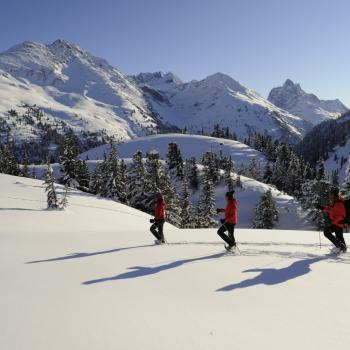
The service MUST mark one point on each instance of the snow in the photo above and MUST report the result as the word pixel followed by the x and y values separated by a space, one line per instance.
pixel 218 99
pixel 292 98
pixel 90 278
pixel 71 84
pixel 330 164
pixel 190 146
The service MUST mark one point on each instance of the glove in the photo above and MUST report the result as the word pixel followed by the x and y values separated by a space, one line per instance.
pixel 218 210
pixel 222 221
pixel 152 221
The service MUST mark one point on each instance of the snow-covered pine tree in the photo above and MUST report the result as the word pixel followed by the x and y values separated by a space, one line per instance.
pixel 238 182
pixel 314 193
pixel 267 173
pixel 122 183
pixel 64 200
pixel 174 161
pixel 335 178
pixel 346 183
pixel 82 174
pixel 153 174
pixel 25 164
pixel 136 182
pixel 186 205
pixel 266 214
pixel 8 163
pixel 211 161
pixel 96 184
pixel 229 168
pixel 192 171
pixel 69 162
pixel 254 170
pixel 52 202
pixel 207 201
pixel 113 173
pixel 172 200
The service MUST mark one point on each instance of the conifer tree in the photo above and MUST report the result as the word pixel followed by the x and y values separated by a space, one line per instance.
pixel 96 184
pixel 122 183
pixel 82 174
pixel 186 205
pixel 171 199
pixel 25 164
pixel 238 183
pixel 346 183
pixel 266 214
pixel 113 173
pixel 153 175
pixel 52 202
pixel 69 162
pixel 267 173
pixel 174 161
pixel 192 172
pixel 136 182
pixel 228 174
pixel 207 201
pixel 253 170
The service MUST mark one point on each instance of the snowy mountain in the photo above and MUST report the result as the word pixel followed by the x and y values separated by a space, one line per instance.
pixel 218 99
pixel 72 85
pixel 89 277
pixel 292 98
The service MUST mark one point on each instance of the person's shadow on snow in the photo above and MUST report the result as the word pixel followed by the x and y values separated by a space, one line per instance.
pixel 141 271
pixel 272 276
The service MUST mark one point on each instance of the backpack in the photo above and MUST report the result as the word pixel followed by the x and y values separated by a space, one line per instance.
pixel 347 211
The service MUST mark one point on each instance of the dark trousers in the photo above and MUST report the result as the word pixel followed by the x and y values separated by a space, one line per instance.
pixel 157 229
pixel 338 238
pixel 230 238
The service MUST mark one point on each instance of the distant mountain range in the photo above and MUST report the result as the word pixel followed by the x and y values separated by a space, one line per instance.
pixel 90 95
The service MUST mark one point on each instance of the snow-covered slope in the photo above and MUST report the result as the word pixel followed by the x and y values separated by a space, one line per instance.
pixel 89 278
pixel 190 146
pixel 292 98
pixel 71 84
pixel 334 161
pixel 218 99
pixel 291 215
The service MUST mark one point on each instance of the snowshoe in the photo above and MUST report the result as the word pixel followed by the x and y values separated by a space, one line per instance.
pixel 159 241
pixel 343 248
pixel 230 248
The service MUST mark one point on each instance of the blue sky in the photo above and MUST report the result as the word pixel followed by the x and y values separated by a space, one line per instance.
pixel 258 42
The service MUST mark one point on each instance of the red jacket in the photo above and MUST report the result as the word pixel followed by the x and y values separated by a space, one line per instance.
pixel 159 210
pixel 336 212
pixel 230 211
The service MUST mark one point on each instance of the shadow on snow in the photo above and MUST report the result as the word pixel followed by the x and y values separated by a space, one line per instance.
pixel 272 276
pixel 141 271
pixel 86 255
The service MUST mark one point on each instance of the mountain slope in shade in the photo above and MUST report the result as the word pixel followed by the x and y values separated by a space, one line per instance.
pixel 218 99
pixel 71 84
pixel 295 100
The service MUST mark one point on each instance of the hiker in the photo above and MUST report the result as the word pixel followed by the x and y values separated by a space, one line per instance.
pixel 335 213
pixel 159 219
pixel 228 224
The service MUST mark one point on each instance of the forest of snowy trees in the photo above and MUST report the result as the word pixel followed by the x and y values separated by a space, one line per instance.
pixel 181 179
